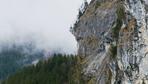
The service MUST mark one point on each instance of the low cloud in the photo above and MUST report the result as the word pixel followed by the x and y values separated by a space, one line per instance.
pixel 44 22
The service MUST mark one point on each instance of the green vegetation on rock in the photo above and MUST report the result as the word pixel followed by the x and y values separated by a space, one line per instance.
pixel 113 51
pixel 119 22
pixel 97 4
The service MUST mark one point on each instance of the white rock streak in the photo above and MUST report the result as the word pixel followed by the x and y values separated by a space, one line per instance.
pixel 137 55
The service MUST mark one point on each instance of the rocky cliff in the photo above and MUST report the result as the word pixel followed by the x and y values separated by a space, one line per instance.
pixel 113 42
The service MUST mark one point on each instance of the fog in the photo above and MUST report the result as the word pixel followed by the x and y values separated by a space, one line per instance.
pixel 46 23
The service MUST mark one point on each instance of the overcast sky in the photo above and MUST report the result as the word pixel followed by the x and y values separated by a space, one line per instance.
pixel 45 22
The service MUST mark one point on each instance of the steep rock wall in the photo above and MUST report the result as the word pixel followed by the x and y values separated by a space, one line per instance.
pixel 112 37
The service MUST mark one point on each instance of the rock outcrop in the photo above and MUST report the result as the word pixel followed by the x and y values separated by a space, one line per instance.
pixel 113 42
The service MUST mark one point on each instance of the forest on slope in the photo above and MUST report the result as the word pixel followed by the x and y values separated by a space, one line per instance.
pixel 14 57
pixel 59 69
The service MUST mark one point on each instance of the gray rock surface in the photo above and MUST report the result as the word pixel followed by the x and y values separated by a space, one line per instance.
pixel 113 42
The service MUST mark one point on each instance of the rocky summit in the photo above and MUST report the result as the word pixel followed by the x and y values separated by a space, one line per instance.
pixel 112 36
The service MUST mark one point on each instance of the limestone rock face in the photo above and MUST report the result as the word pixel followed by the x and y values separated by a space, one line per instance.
pixel 113 42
